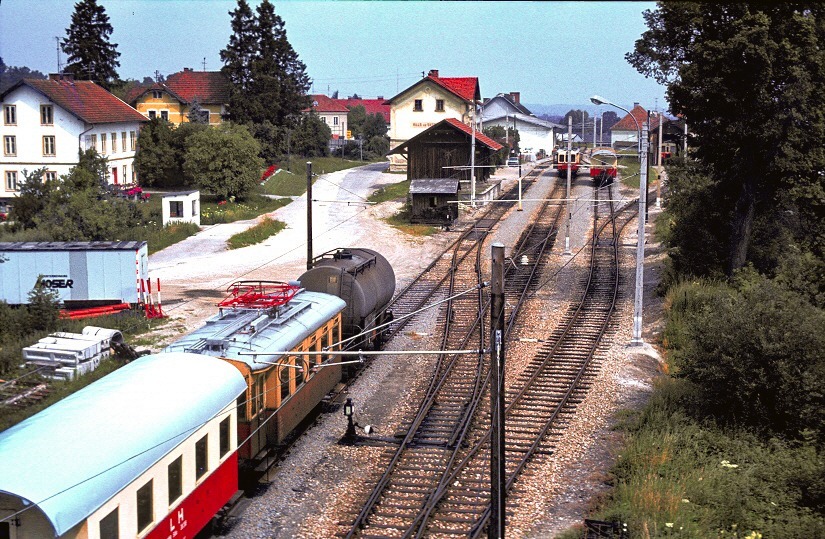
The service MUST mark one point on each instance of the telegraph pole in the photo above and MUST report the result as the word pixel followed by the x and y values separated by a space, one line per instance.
pixel 309 215
pixel 498 477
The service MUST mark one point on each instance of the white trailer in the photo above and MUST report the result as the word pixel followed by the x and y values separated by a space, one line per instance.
pixel 68 355
pixel 90 273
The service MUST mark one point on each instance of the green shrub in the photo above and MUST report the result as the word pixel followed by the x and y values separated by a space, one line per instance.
pixel 758 355
pixel 711 482
pixel 256 234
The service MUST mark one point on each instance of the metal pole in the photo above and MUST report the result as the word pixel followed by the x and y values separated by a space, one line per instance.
pixel 594 131
pixel 473 161
pixel 498 476
pixel 601 131
pixel 640 245
pixel 569 209
pixel 309 215
pixel 659 160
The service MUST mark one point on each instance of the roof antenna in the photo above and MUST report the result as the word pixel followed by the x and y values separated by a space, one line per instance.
pixel 204 63
pixel 57 40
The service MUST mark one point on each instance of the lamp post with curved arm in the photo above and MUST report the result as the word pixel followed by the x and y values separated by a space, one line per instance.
pixel 640 245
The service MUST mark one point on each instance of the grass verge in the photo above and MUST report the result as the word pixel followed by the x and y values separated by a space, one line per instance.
pixel 214 212
pixel 292 180
pixel 256 234
pixel 401 221
pixel 393 191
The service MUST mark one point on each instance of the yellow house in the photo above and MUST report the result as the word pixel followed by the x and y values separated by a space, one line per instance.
pixel 172 100
pixel 426 103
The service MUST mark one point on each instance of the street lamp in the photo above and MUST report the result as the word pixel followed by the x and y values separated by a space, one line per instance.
pixel 636 340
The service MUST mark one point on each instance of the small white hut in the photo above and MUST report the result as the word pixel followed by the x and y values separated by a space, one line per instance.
pixel 181 207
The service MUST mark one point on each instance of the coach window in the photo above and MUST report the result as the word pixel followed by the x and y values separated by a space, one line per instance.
pixel 110 525
pixel 324 344
pixel 419 105
pixel 283 376
pixel 175 479
pixel 223 431
pixel 201 457
pixel 144 506
pixel 242 407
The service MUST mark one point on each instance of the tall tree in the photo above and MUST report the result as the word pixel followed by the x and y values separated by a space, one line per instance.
pixel 750 80
pixel 279 80
pixel 237 58
pixel 224 160
pixel 91 55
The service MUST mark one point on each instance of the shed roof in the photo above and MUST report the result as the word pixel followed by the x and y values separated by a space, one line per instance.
pixel 72 457
pixel 84 99
pixel 455 124
pixel 71 245
pixel 434 186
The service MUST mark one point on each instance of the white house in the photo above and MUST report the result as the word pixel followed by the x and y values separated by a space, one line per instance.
pixel 426 103
pixel 332 112
pixel 506 110
pixel 46 123
pixel 181 207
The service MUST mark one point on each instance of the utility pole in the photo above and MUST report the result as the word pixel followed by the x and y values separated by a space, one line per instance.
pixel 601 130
pixel 659 160
pixel 498 476
pixel 569 172
pixel 473 160
pixel 640 245
pixel 309 215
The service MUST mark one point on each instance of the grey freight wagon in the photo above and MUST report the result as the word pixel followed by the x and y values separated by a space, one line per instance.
pixel 83 273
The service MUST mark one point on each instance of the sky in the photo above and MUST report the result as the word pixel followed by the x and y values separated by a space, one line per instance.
pixel 550 52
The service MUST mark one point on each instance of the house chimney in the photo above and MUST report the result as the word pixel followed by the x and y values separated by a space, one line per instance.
pixel 69 77
pixel 187 69
pixel 516 96
pixel 433 73
pixel 635 104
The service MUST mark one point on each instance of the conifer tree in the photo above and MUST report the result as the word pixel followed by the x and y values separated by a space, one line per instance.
pixel 237 58
pixel 91 55
pixel 271 82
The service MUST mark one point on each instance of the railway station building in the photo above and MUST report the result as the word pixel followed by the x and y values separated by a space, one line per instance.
pixel 429 101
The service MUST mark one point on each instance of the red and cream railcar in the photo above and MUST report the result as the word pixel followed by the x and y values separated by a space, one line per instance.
pixel 564 160
pixel 603 165
pixel 148 451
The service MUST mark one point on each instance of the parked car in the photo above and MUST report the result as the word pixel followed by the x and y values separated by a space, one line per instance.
pixel 512 162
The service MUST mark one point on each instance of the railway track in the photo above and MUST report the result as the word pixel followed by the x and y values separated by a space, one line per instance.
pixel 438 485
pixel 436 435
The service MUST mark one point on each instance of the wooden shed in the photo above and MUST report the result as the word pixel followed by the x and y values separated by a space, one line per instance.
pixel 443 151
pixel 430 200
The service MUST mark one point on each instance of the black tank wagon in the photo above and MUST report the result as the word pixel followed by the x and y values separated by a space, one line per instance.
pixel 365 280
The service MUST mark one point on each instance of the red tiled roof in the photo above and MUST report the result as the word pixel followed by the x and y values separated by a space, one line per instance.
pixel 322 103
pixel 372 106
pixel 210 87
pixel 464 87
pixel 480 137
pixel 86 100
pixel 627 123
